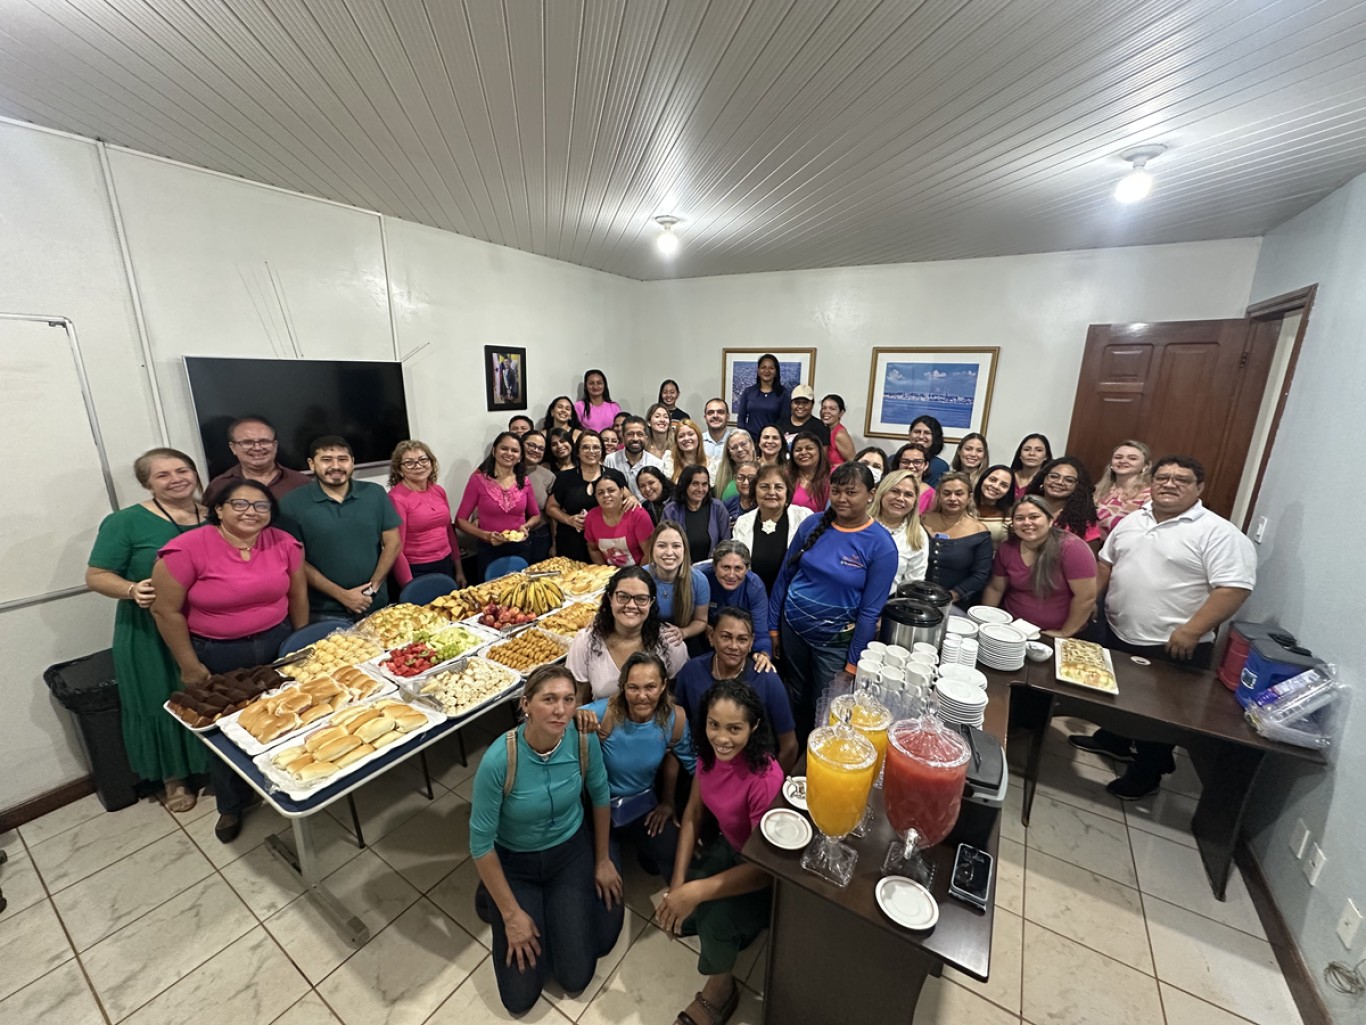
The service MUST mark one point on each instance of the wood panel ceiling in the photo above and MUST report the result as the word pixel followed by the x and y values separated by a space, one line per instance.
pixel 787 133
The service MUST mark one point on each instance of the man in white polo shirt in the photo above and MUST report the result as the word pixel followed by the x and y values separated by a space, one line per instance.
pixel 1172 572
pixel 716 435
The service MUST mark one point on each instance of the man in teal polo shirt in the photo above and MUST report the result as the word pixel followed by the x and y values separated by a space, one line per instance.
pixel 349 530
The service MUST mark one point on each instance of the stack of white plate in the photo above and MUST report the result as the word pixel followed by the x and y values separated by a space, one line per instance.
pixel 983 614
pixel 961 702
pixel 1001 647
pixel 961 651
pixel 973 676
pixel 959 626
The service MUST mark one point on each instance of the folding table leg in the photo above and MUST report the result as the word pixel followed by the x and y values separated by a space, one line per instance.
pixel 426 773
pixel 355 821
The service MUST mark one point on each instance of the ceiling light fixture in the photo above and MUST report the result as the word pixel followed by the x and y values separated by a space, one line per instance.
pixel 1136 185
pixel 667 242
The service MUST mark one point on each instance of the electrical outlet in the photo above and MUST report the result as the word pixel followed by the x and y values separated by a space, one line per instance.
pixel 1348 924
pixel 1314 866
pixel 1259 531
pixel 1299 839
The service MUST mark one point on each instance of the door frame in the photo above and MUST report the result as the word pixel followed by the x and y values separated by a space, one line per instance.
pixel 1277 308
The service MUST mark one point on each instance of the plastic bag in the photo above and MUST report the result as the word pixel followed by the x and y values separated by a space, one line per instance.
pixel 1303 710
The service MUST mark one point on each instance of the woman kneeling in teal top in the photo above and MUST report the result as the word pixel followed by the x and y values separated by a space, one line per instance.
pixel 538 870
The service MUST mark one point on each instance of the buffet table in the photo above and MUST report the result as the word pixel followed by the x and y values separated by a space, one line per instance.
pixel 834 957
pixel 1168 703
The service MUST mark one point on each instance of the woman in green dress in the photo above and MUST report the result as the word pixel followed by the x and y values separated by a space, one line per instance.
pixel 120 567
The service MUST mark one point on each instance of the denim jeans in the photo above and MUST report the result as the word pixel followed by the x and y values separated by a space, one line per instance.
pixel 555 887
pixel 655 853
pixel 230 790
pixel 807 670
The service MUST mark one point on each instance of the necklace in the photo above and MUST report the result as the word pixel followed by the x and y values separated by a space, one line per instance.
pixel 180 528
pixel 228 538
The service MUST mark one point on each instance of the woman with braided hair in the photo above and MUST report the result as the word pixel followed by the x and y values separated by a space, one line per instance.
pixel 830 591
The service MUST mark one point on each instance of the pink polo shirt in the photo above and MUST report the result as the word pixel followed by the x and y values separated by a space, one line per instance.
pixel 595 418
pixel 737 797
pixel 426 528
pixel 228 597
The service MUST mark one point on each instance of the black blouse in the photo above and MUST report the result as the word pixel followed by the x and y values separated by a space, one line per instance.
pixel 769 551
pixel 572 493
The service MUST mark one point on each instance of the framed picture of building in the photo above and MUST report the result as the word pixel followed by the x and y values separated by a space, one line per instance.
pixel 504 377
pixel 952 385
pixel 740 369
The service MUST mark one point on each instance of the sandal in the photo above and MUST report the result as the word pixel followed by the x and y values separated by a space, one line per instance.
pixel 719 1015
pixel 178 798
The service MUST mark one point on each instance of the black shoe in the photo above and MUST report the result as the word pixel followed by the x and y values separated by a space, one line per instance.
pixel 1096 746
pixel 1133 786
pixel 481 905
pixel 228 827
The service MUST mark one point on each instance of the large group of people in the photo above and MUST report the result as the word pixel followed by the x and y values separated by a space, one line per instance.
pixel 753 562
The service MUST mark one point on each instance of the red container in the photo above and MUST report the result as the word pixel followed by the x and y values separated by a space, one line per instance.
pixel 1240 638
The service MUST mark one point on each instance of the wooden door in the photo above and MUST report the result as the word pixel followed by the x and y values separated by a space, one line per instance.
pixel 1191 387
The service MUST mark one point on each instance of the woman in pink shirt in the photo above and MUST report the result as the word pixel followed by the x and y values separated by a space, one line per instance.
pixel 810 473
pixel 499 495
pixel 916 458
pixel 425 528
pixel 721 898
pixel 596 410
pixel 615 535
pixel 228 594
pixel 1043 575
pixel 1125 486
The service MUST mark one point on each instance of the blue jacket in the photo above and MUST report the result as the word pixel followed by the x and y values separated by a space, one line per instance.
pixel 718 527
pixel 757 409
pixel 751 596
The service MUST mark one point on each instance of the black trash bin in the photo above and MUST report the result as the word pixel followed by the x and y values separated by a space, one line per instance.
pixel 87 687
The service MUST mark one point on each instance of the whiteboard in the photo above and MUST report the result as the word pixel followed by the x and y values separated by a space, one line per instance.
pixel 52 458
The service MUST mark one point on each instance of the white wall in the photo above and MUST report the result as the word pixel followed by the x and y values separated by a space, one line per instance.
pixel 1310 575
pixel 1036 308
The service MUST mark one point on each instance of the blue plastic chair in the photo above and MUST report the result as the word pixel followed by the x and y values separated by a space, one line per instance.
pixel 306 635
pixel 502 567
pixel 423 589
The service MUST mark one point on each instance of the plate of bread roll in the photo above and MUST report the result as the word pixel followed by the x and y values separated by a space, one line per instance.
pixel 274 718
pixel 353 737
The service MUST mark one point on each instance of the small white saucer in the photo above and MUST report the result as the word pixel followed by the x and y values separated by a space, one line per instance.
pixel 906 902
pixel 785 828
pixel 794 789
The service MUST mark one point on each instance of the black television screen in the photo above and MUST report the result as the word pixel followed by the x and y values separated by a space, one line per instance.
pixel 361 400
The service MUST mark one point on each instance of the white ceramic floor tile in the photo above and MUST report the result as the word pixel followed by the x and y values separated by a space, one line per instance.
pixel 465 788
pixel 1083 838
pixel 642 890
pixel 388 802
pixel 84 849
pixel 311 1010
pixel 1066 983
pixel 1007 962
pixel 267 884
pixel 101 904
pixel 1010 876
pixel 1219 964
pixel 1175 873
pixel 257 824
pixel 455 896
pixel 406 972
pixel 476 1002
pixel 10 841
pixel 1011 826
pixel 655 980
pixel 19 879
pixel 1095 911
pixel 444 760
pixel 946 1003
pixel 428 847
pixel 1165 813
pixel 61 997
pixel 248 981
pixel 31 945
pixel 757 978
pixel 572 1007
pixel 1074 782
pixel 66 817
pixel 367 888
pixel 132 966
pixel 1184 1009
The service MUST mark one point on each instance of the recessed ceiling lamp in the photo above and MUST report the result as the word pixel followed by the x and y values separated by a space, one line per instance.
pixel 1137 183
pixel 667 242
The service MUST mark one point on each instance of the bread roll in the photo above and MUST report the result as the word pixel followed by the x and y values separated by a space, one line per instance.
pixel 407 721
pixel 295 765
pixel 347 717
pixel 354 755
pixel 288 754
pixel 376 727
pixel 317 770
pixel 315 712
pixel 362 717
pixel 292 700
pixel 276 726
pixel 322 737
pixel 334 749
pixel 350 676
pixel 384 740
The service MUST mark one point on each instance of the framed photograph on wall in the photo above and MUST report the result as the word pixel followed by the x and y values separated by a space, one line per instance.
pixel 952 385
pixel 504 377
pixel 740 369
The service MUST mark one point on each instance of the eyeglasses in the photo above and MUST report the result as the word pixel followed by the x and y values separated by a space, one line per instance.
pixel 253 443
pixel 914 464
pixel 1058 478
pixel 640 601
pixel 715 412
pixel 242 505
pixel 531 446
pixel 414 464
pixel 1168 478
pixel 746 476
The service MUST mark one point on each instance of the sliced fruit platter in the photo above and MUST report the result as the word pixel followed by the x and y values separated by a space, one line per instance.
pixel 469 684
pixel 429 651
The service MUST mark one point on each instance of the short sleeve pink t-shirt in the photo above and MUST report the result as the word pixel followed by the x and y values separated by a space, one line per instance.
pixel 623 544
pixel 1049 612
pixel 228 597
pixel 738 797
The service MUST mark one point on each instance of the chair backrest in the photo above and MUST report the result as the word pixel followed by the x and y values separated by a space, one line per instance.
pixel 502 567
pixel 423 589
pixel 305 636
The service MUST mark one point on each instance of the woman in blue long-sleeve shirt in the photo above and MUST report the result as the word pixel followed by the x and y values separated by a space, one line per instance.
pixel 830 592
pixel 538 869
pixel 734 585
pixel 764 402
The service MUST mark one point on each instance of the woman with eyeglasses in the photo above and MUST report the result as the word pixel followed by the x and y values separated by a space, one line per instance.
pixel 571 497
pixel 705 519
pixel 928 433
pixel 627 621
pixel 913 456
pixel 1043 575
pixel 1066 486
pixel 616 528
pixel 767 530
pixel 120 568
pixel 425 528
pixel 1125 485
pixel 542 479
pixel 739 449
pixel 744 500
pixel 734 585
pixel 875 459
pixel 227 595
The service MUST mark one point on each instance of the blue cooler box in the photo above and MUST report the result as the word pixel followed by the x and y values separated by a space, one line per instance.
pixel 1268 663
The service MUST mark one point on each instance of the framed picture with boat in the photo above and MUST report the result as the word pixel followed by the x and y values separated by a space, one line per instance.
pixel 952 385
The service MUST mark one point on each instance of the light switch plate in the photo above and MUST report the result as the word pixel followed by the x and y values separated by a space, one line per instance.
pixel 1299 839
pixel 1314 865
pixel 1259 531
pixel 1348 924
